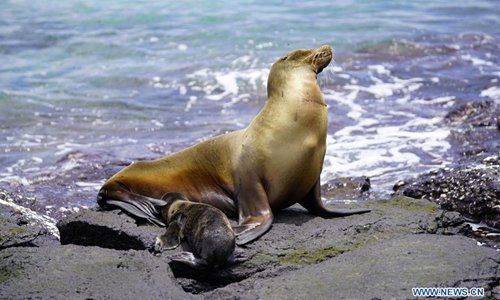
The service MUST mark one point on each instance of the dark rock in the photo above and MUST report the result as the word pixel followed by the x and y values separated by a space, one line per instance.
pixel 299 246
pixel 20 226
pixel 14 230
pixel 107 229
pixel 296 238
pixel 476 114
pixel 349 188
pixel 475 131
pixel 74 272
pixel 384 270
pixel 472 191
pixel 473 144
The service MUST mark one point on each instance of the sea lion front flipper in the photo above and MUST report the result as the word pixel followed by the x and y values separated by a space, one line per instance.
pixel 256 230
pixel 172 237
pixel 238 229
pixel 255 215
pixel 313 203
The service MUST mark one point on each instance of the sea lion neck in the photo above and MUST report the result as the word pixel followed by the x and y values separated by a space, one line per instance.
pixel 294 86
pixel 289 78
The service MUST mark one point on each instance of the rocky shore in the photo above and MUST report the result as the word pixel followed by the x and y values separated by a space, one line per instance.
pixel 403 243
pixel 438 230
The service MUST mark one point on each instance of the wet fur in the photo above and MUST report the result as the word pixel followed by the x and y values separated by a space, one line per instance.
pixel 206 230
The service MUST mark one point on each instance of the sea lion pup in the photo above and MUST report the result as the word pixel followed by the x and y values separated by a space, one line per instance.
pixel 205 228
pixel 272 164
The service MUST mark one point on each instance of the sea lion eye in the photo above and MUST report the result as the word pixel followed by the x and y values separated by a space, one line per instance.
pixel 285 58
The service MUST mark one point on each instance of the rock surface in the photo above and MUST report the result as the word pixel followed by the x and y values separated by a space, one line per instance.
pixel 112 229
pixel 475 130
pixel 402 243
pixel 472 185
pixel 383 270
pixel 73 272
pixel 347 188
pixel 474 191
pixel 476 114
pixel 19 226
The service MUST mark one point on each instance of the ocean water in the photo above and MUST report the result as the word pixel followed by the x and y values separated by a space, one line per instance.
pixel 86 87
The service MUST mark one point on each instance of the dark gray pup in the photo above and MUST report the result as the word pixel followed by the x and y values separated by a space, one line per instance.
pixel 205 228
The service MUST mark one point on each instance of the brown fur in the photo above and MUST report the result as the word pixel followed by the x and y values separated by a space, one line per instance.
pixel 273 163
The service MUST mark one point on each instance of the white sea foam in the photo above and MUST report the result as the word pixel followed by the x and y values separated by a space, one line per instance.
pixel 384 150
pixel 477 61
pixel 385 144
pixel 264 45
pixel 14 180
pixel 182 90
pixel 387 139
pixel 247 61
pixel 446 101
pixel 69 165
pixel 355 110
pixel 333 69
pixel 226 85
pixel 379 69
pixel 492 92
pixel 157 123
pixel 228 82
pixel 192 101
pixel 383 89
pixel 86 184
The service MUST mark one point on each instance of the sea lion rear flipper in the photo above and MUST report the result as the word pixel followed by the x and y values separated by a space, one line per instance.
pixel 313 203
pixel 189 259
pixel 132 209
pixel 117 194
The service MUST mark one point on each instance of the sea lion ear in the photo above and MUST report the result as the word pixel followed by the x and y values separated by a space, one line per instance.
pixel 284 58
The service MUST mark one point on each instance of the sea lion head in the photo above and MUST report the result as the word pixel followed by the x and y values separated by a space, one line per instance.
pixel 314 60
pixel 170 209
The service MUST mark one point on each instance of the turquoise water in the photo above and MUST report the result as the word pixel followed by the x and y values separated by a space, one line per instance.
pixel 88 86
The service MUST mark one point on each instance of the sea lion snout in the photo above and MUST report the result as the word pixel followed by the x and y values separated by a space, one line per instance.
pixel 322 57
pixel 325 50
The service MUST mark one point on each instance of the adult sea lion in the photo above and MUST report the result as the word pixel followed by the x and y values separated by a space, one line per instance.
pixel 273 163
pixel 205 228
